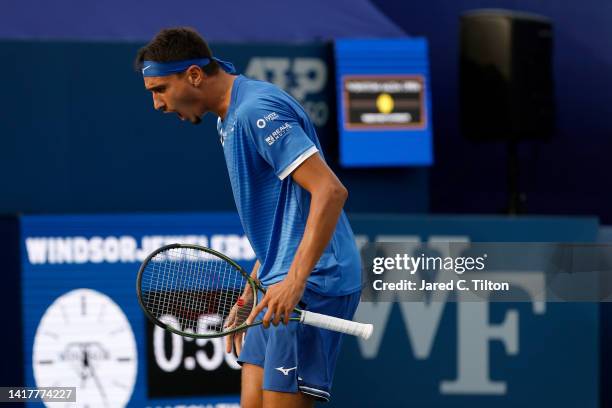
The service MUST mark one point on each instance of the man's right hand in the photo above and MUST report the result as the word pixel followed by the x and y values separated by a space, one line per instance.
pixel 237 316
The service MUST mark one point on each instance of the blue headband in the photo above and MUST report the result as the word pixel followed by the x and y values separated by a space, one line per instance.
pixel 153 69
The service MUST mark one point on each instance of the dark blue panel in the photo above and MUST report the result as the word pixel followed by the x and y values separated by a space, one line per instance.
pixel 11 369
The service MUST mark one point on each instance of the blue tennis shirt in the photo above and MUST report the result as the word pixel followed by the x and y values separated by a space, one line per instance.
pixel 266 135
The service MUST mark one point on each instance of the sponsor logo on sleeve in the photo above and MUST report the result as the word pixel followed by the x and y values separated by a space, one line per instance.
pixel 278 133
pixel 262 122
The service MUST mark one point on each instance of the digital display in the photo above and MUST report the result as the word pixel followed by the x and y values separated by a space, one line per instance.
pixel 378 102
pixel 180 366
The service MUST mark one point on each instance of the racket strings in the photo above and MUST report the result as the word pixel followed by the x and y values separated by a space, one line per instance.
pixel 194 291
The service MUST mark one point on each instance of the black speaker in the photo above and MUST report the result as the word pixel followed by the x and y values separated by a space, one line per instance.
pixel 506 80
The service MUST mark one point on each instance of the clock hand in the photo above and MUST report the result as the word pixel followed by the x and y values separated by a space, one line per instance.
pixel 84 368
pixel 98 384
pixel 75 360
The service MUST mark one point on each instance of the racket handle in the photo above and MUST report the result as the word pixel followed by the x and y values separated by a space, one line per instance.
pixel 340 325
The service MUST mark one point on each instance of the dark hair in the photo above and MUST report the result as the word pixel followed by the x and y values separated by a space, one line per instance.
pixel 176 44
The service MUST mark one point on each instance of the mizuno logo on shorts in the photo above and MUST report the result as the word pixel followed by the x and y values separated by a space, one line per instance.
pixel 284 370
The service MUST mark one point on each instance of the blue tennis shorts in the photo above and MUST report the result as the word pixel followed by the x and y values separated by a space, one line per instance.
pixel 298 357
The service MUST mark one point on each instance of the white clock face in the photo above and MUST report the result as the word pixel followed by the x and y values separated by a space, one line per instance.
pixel 84 340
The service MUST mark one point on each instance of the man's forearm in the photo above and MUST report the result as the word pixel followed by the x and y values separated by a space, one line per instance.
pixel 325 209
pixel 247 286
pixel 255 269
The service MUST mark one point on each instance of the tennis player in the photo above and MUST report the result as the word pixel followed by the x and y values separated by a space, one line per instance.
pixel 290 204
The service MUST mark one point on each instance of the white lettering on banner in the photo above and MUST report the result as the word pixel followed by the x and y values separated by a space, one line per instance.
pixel 301 77
pixel 234 246
pixel 386 117
pixel 126 248
pixel 474 332
pixel 387 86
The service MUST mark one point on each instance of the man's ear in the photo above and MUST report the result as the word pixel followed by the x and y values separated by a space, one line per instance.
pixel 195 75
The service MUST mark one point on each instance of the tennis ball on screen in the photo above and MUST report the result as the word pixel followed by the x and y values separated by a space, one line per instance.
pixel 385 103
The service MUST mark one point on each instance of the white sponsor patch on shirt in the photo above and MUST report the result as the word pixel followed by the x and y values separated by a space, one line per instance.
pixel 262 122
pixel 278 133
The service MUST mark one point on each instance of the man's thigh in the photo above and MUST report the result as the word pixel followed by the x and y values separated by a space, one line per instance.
pixel 251 390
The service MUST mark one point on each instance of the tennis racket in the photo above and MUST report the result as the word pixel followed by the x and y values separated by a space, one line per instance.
pixel 197 292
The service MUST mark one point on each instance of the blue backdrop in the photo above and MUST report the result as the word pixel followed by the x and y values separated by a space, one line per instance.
pixel 80 139
pixel 560 177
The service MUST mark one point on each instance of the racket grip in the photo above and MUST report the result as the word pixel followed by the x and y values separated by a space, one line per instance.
pixel 336 324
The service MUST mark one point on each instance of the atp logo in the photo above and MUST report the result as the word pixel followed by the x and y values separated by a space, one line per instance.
pixel 303 77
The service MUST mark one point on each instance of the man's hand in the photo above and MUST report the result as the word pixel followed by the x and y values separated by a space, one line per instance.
pixel 280 299
pixel 235 318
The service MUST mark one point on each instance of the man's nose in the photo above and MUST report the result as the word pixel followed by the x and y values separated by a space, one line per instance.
pixel 158 103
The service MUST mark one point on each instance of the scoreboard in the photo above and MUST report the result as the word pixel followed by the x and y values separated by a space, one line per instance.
pixel 82 324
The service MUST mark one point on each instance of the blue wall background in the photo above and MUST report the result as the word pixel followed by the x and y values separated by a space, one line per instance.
pixel 81 135
pixel 569 175
pixel 112 118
